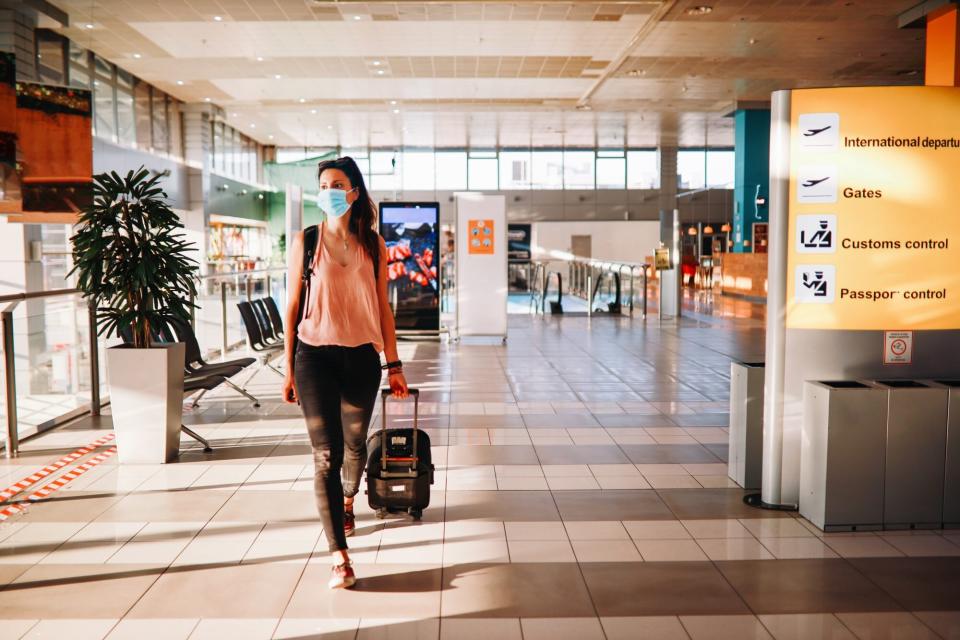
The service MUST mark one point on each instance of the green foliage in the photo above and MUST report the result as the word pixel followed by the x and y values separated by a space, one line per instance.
pixel 131 257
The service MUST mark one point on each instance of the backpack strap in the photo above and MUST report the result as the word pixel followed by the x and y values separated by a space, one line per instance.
pixel 311 236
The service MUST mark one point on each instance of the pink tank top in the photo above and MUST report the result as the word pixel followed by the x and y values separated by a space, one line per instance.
pixel 342 306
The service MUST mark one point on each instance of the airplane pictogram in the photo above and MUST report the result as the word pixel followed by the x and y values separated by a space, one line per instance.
pixel 812 132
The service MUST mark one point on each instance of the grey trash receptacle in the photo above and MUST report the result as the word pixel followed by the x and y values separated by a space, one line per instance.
pixel 842 455
pixel 916 452
pixel 745 456
pixel 951 474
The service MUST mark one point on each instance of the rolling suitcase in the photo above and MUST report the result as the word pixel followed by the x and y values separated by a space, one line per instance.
pixel 399 466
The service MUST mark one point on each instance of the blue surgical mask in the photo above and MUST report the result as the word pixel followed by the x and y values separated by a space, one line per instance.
pixel 333 202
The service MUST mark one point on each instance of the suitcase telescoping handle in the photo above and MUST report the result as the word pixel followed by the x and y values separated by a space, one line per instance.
pixel 414 461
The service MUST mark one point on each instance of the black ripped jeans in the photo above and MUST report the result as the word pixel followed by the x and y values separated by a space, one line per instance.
pixel 337 388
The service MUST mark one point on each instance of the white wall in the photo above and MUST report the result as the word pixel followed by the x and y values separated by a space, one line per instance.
pixel 629 241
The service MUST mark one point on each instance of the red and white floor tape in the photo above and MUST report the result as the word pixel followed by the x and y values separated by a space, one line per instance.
pixel 14 489
pixel 45 491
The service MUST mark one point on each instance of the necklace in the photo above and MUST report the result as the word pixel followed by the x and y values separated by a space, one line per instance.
pixel 346 239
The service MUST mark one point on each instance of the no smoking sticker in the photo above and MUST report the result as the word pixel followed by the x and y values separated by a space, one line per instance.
pixel 897 347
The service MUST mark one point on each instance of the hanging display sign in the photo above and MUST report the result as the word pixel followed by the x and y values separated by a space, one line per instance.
pixel 410 231
pixel 874 238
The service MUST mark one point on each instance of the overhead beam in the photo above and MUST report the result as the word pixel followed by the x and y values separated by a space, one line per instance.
pixel 648 26
pixel 915 16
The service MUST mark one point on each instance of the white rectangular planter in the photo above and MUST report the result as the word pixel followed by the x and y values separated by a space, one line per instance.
pixel 146 398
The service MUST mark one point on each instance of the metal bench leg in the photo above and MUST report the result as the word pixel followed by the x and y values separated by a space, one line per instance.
pixel 196 436
pixel 196 401
pixel 256 402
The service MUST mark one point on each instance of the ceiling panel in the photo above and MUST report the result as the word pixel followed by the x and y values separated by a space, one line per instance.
pixel 496 72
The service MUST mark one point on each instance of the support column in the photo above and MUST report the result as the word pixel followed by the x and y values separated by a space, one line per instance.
pixel 198 151
pixel 943 47
pixel 752 175
pixel 670 280
pixel 668 178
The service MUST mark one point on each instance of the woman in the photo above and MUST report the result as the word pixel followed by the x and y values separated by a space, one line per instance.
pixel 335 372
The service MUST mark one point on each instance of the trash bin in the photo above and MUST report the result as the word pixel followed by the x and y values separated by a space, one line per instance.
pixel 916 453
pixel 745 457
pixel 842 455
pixel 951 483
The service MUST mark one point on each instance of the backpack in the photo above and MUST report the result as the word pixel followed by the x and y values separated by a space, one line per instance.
pixel 311 236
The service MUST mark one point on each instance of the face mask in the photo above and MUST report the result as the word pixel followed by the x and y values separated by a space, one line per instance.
pixel 333 202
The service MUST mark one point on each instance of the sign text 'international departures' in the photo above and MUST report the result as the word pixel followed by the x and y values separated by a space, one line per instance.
pixel 874 226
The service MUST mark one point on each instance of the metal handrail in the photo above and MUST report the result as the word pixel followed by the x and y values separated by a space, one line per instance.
pixel 32 295
pixel 585 271
pixel 7 337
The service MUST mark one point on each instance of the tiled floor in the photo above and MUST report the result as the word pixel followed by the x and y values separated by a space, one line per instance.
pixel 581 493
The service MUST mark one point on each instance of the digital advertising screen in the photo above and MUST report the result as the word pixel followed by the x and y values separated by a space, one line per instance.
pixel 411 233
pixel 519 243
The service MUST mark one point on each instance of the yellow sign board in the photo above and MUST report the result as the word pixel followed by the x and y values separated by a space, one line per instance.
pixel 661 258
pixel 874 210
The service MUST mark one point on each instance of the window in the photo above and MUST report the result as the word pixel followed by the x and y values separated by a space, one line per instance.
pixel 578 169
pixel 452 170
pixel 643 170
pixel 126 132
pixel 691 168
pixel 611 169
pixel 547 170
pixel 720 168
pixel 51 51
pixel 218 147
pixel 160 131
pixel 102 68
pixel 418 170
pixel 482 170
pixel 105 120
pixel 176 130
pixel 384 172
pixel 514 169
pixel 79 67
pixel 141 109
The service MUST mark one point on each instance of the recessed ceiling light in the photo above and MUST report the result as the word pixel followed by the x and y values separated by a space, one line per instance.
pixel 218 18
pixel 259 58
pixel 376 63
pixel 393 102
pixel 329 126
pixel 89 25
pixel 379 72
pixel 356 17
pixel 396 110
pixel 206 99
pixel 302 100
pixel 180 82
pixel 277 76
pixel 313 110
pixel 137 56
pixel 234 115
pixel 699 10
pixel 270 136
pixel 253 126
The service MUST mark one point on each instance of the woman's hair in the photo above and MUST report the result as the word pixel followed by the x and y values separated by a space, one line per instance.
pixel 363 210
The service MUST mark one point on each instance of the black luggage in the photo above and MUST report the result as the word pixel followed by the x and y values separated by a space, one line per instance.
pixel 399 466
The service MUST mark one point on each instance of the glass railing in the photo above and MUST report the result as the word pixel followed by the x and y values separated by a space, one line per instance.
pixel 51 370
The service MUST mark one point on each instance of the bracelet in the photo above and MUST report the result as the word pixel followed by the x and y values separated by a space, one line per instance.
pixel 396 364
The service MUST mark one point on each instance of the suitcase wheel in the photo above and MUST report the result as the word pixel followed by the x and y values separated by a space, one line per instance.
pixel 381 514
pixel 416 513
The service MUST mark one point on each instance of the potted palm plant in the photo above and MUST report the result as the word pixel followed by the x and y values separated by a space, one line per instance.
pixel 132 262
